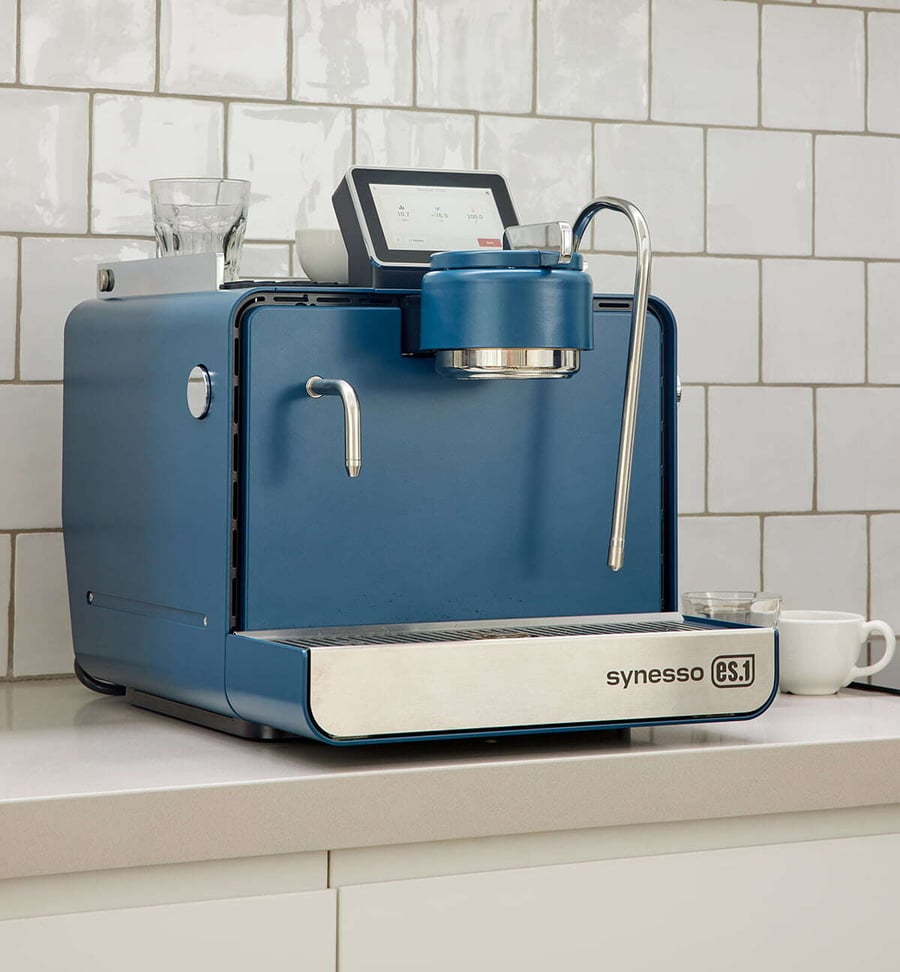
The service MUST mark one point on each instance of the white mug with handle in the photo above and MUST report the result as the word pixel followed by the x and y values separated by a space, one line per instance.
pixel 818 650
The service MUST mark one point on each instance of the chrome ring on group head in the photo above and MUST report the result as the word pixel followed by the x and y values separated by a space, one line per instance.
pixel 480 363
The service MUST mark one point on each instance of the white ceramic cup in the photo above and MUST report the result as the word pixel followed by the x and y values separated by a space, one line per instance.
pixel 818 650
pixel 322 255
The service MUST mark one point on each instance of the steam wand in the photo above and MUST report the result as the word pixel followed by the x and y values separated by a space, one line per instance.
pixel 635 355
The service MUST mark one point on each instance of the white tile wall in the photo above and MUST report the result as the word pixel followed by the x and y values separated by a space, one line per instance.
pixel 857 196
pixel 5 598
pixel 45 156
pixel 415 138
pixel 137 139
pixel 718 553
pixel 884 72
pixel 7 67
pixel 42 643
pixel 658 168
pixel 89 44
pixel 224 47
pixel 858 445
pixel 692 450
pixel 817 562
pixel 9 275
pixel 759 192
pixel 294 157
pixel 814 323
pixel 358 53
pixel 532 153
pixel 716 305
pixel 31 445
pixel 475 54
pixel 72 266
pixel 884 322
pixel 676 103
pixel 760 449
pixel 593 58
pixel 813 68
pixel 884 553
pixel 705 56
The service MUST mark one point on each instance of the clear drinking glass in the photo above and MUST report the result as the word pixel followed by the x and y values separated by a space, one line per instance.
pixel 742 607
pixel 200 216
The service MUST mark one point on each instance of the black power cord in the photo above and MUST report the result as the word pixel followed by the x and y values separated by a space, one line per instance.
pixel 874 688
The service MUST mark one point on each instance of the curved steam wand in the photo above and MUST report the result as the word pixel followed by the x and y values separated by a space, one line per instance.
pixel 635 354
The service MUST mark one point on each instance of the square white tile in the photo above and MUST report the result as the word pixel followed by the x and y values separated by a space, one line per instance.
pixel 760 449
pixel 7 56
pixel 573 78
pixel 44 184
pixel 884 312
pixel 5 599
pixel 858 447
pixel 718 553
pixel 415 138
pixel 294 157
pixel 660 169
pixel 9 276
pixel 474 54
pixel 31 446
pixel 704 57
pixel 814 327
pixel 614 274
pixel 532 153
pixel 857 196
pixel 816 562
pixel 716 305
pixel 262 261
pixel 72 266
pixel 881 4
pixel 884 72
pixel 139 139
pixel 813 68
pixel 224 47
pixel 692 450
pixel 356 53
pixel 42 640
pixel 759 191
pixel 89 43
pixel 884 556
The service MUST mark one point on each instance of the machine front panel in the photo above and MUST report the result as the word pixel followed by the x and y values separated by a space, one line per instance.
pixel 476 499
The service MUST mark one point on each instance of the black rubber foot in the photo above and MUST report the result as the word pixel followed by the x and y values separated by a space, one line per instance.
pixel 97 684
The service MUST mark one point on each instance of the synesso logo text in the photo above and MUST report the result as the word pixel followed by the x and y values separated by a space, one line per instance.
pixel 728 671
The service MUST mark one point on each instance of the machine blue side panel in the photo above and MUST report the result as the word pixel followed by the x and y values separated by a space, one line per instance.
pixel 147 492
pixel 487 499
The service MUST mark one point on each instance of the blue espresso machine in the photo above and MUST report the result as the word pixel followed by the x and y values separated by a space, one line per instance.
pixel 286 515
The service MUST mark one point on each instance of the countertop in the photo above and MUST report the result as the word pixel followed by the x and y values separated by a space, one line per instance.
pixel 89 782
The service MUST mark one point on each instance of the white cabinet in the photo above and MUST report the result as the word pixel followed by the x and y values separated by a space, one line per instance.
pixel 268 933
pixel 818 905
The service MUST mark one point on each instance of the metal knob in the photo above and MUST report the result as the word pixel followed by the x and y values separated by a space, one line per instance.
pixel 316 387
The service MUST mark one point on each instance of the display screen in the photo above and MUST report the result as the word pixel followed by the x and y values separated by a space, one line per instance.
pixel 434 218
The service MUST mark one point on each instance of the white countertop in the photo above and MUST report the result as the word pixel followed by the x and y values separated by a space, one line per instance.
pixel 89 782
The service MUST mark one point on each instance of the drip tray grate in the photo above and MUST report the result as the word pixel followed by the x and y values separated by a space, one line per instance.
pixel 374 636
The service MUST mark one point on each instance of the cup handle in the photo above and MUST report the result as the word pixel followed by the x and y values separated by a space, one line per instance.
pixel 876 627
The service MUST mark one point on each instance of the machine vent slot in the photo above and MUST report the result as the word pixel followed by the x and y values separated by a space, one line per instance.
pixel 374 637
pixel 327 299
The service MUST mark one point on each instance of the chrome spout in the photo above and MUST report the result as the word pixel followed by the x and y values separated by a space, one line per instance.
pixel 316 387
pixel 635 353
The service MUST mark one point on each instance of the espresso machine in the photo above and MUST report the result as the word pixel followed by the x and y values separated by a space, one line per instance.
pixel 439 501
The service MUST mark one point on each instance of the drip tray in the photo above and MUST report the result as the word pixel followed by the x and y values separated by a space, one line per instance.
pixel 403 679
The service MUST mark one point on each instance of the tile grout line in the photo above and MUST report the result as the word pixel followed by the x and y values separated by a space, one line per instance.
pixel 18 42
pixel 157 58
pixel 289 52
pixel 535 13
pixel 11 611
pixel 650 61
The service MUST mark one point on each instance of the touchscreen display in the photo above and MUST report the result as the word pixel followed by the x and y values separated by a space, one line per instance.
pixel 435 218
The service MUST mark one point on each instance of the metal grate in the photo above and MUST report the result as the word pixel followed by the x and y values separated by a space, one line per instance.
pixel 481 634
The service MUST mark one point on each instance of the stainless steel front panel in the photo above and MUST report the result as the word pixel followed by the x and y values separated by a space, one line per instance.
pixel 388 689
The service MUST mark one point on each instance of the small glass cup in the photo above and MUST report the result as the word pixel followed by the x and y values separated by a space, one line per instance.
pixel 200 216
pixel 741 607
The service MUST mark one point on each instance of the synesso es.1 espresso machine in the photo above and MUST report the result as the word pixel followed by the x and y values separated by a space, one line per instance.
pixel 285 513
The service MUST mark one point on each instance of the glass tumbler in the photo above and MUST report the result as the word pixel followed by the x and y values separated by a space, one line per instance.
pixel 200 216
pixel 741 607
